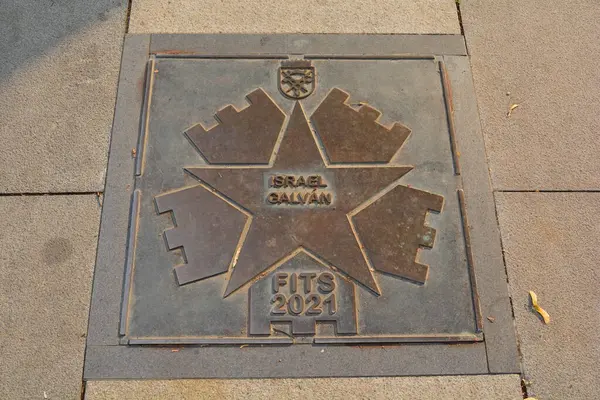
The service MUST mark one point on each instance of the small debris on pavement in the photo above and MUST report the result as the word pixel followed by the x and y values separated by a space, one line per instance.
pixel 323 351
pixel 99 198
pixel 510 110
pixel 491 319
pixel 174 350
pixel 244 345
pixel 536 307
pixel 282 332
pixel 133 152
pixel 45 395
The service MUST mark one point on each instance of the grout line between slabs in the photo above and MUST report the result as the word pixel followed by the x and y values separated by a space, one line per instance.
pixel 128 16
pixel 83 387
pixel 510 299
pixel 459 15
pixel 95 193
pixel 547 191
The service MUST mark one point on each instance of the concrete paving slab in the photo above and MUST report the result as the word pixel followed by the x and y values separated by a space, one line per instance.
pixel 58 79
pixel 48 248
pixel 550 242
pixel 272 16
pixel 500 387
pixel 544 55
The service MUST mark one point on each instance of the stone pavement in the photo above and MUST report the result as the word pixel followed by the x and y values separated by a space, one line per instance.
pixel 58 77
pixel 58 80
pixel 46 266
pixel 312 16
pixel 542 56
pixel 503 387
pixel 550 248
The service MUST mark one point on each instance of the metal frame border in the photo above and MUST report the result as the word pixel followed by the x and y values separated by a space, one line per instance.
pixel 106 358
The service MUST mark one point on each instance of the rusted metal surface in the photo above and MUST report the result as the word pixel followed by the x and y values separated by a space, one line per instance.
pixel 200 218
pixel 469 251
pixel 141 145
pixel 450 113
pixel 276 230
pixel 351 136
pixel 293 229
pixel 392 56
pixel 240 137
pixel 393 229
pixel 129 262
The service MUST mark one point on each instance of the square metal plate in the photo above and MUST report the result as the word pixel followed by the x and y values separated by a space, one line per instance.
pixel 297 205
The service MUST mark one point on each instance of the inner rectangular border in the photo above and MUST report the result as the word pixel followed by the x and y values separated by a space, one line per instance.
pixel 126 339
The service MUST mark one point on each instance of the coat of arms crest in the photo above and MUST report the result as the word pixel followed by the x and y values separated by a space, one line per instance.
pixel 297 79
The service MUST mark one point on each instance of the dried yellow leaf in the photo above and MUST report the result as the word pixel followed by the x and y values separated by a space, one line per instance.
pixel 510 110
pixel 536 307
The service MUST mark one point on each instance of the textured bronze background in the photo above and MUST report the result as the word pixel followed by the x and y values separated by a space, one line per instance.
pixel 312 214
pixel 276 232
pixel 351 135
pixel 200 218
pixel 244 137
pixel 393 229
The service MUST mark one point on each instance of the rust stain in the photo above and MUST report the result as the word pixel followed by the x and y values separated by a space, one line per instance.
pixel 173 52
pixel 447 86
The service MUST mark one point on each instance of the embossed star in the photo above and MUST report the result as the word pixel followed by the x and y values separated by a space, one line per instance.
pixel 274 232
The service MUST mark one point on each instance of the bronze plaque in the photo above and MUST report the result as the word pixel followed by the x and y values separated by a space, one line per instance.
pixel 292 201
pixel 295 206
